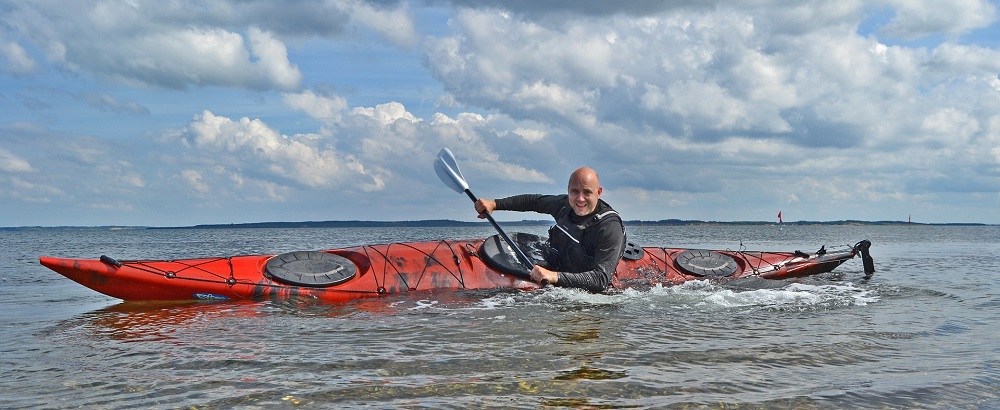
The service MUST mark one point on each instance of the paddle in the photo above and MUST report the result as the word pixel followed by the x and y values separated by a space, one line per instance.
pixel 447 169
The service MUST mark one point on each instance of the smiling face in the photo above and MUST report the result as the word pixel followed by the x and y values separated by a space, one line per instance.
pixel 584 191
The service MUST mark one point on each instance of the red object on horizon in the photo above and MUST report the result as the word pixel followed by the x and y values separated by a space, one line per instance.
pixel 779 217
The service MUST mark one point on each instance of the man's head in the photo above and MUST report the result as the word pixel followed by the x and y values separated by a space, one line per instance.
pixel 584 191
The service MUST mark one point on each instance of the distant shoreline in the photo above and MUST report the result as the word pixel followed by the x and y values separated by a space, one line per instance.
pixel 446 223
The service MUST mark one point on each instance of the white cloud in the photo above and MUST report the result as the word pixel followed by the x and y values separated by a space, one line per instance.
pixel 762 86
pixel 395 24
pixel 695 105
pixel 272 60
pixel 682 68
pixel 531 135
pixel 21 189
pixel 179 57
pixel 918 18
pixel 329 109
pixel 294 158
pixel 385 114
pixel 949 125
pixel 104 102
pixel 9 162
pixel 376 150
pixel 126 175
pixel 950 60
pixel 181 44
pixel 473 134
pixel 198 56
pixel 18 60
pixel 702 74
pixel 194 180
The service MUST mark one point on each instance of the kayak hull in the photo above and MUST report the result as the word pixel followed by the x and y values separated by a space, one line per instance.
pixel 398 268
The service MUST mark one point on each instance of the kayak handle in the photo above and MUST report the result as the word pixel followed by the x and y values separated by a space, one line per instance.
pixel 110 261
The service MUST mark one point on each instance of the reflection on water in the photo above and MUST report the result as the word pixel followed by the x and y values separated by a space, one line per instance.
pixel 591 373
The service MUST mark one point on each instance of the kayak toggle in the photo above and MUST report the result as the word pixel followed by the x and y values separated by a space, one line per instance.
pixel 110 261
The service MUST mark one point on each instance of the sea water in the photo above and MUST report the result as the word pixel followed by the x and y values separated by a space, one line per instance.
pixel 920 333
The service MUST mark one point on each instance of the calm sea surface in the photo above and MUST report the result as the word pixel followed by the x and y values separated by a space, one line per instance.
pixel 922 333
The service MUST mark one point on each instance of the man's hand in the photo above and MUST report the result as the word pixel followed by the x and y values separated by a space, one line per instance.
pixel 540 274
pixel 485 207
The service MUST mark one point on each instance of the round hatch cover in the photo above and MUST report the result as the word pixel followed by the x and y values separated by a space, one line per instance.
pixel 310 268
pixel 706 263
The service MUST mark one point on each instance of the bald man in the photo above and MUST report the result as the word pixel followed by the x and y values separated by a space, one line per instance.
pixel 588 237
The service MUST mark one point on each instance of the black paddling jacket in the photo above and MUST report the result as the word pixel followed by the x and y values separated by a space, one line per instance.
pixel 587 248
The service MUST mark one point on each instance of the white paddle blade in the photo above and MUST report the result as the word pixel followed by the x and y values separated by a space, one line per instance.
pixel 447 170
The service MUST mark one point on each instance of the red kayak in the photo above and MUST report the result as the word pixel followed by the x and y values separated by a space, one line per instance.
pixel 338 275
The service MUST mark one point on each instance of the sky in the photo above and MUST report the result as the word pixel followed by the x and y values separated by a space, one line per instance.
pixel 177 113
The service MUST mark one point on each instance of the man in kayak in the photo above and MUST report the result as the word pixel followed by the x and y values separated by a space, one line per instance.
pixel 589 236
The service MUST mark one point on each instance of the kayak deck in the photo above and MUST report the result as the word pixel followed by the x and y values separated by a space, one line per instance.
pixel 376 270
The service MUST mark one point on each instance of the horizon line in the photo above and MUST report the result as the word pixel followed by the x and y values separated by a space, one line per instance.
pixel 451 222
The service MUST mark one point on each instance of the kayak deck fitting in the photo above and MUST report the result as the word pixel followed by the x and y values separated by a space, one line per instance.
pixel 338 275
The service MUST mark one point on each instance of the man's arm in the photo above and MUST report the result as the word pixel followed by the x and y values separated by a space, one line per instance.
pixel 545 204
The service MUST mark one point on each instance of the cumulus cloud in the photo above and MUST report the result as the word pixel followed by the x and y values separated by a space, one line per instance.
pixel 585 7
pixel 359 149
pixel 299 159
pixel 473 135
pixel 196 56
pixel 718 75
pixel 915 19
pixel 680 74
pixel 329 109
pixel 717 106
pixel 182 44
pixel 394 23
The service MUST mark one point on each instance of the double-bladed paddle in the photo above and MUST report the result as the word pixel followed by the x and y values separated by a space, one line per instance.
pixel 447 169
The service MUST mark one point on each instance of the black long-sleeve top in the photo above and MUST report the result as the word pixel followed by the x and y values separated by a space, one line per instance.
pixel 603 241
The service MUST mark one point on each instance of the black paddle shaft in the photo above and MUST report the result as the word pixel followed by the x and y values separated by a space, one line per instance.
pixel 520 255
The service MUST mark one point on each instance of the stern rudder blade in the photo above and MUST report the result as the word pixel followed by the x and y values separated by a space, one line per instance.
pixel 866 258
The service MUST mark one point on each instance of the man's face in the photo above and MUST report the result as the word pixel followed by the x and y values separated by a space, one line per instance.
pixel 583 195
